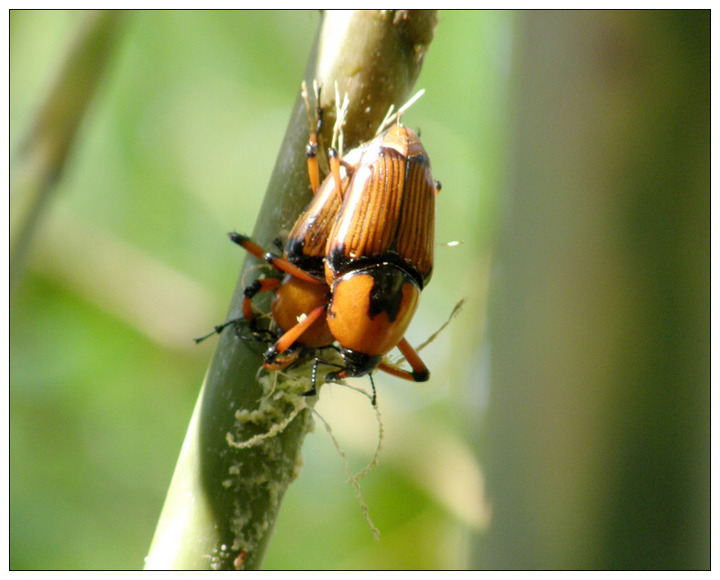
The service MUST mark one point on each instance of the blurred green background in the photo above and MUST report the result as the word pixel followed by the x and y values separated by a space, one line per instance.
pixel 130 262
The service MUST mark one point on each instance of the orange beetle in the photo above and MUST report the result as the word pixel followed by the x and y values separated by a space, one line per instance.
pixel 356 259
pixel 377 247
pixel 379 254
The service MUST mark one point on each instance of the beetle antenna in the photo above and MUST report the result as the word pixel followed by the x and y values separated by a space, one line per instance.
pixel 376 457
pixel 453 314
pixel 390 118
pixel 317 89
pixel 434 335
pixel 314 125
pixel 351 478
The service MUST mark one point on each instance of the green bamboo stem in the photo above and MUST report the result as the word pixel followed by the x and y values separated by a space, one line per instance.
pixel 242 446
pixel 43 153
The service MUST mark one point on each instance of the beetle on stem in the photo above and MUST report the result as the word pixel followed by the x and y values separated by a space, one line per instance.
pixel 356 259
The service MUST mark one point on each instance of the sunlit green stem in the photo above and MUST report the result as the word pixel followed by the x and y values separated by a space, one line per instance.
pixel 226 493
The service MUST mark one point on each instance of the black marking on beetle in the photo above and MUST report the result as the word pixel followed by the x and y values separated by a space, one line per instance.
pixel 386 294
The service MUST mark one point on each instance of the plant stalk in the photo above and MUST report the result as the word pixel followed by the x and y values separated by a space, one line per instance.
pixel 243 444
pixel 45 149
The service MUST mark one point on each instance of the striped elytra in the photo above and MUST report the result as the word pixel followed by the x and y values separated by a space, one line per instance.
pixel 388 209
pixel 307 242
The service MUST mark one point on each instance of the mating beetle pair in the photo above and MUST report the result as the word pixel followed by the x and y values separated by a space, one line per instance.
pixel 356 259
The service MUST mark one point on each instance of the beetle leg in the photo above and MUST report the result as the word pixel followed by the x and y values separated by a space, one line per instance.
pixel 258 334
pixel 313 389
pixel 218 329
pixel 257 287
pixel 292 335
pixel 276 361
pixel 419 373
pixel 312 163
pixel 334 160
pixel 249 293
pixel 287 349
pixel 313 385
pixel 311 149
pixel 341 374
pixel 374 392
pixel 277 263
